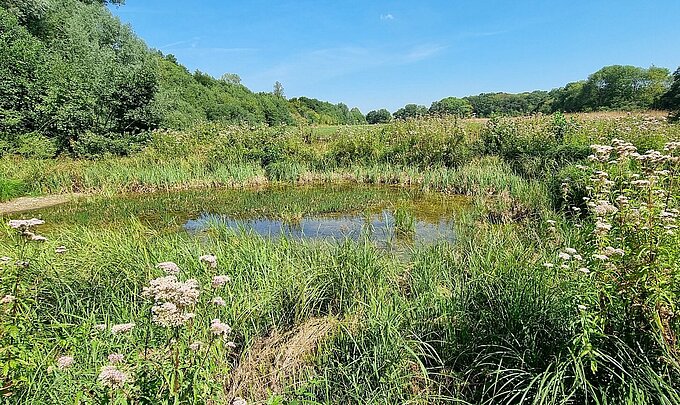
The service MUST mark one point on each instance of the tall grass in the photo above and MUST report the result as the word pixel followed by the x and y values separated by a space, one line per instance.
pixel 517 310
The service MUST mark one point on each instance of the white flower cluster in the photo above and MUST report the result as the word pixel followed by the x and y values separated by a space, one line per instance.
pixel 170 268
pixel 219 328
pixel 122 328
pixel 24 227
pixel 569 257
pixel 22 224
pixel 65 362
pixel 113 378
pixel 220 281
pixel 7 299
pixel 173 300
pixel 115 358
pixel 209 260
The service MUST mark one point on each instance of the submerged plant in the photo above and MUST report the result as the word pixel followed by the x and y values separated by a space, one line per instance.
pixel 404 222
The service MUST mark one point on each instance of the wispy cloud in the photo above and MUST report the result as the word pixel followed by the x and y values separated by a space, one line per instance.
pixel 187 43
pixel 323 64
pixel 483 34
pixel 386 17
pixel 422 52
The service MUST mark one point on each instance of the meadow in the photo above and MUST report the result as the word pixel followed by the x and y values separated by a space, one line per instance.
pixel 560 286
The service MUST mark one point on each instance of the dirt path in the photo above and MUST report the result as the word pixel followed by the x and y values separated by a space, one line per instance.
pixel 31 203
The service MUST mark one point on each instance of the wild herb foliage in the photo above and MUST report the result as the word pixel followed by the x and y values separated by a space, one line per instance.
pixel 74 79
pixel 561 286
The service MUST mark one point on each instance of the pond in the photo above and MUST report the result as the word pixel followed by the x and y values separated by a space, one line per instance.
pixel 385 215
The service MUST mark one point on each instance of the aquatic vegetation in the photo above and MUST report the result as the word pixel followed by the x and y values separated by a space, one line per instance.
pixel 560 285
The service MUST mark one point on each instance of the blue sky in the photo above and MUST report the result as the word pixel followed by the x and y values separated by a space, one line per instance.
pixel 385 54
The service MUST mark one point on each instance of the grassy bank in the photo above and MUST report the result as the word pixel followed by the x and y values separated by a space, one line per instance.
pixel 545 297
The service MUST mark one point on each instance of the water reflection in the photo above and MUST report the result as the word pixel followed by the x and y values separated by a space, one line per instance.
pixel 380 228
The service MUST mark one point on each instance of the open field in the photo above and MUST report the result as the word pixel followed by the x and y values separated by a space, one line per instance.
pixel 559 284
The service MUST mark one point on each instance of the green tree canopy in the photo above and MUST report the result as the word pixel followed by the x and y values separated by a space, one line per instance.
pixel 380 116
pixel 614 88
pixel 410 111
pixel 451 106
pixel 671 99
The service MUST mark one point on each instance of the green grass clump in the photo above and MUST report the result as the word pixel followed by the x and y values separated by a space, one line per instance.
pixel 544 297
pixel 10 189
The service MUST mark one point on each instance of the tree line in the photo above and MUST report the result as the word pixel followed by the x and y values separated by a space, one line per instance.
pixel 74 79
pixel 610 88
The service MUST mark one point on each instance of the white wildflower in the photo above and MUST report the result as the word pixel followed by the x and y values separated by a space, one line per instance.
pixel 168 315
pixel 169 289
pixel 602 227
pixel 210 260
pixel 172 299
pixel 38 238
pixel 640 183
pixel 564 256
pixel 61 249
pixel 7 299
pixel 196 346
pixel 64 362
pixel 219 301
pixel 604 208
pixel 610 251
pixel 239 401
pixel 112 377
pixel 115 358
pixel 169 268
pixel 219 328
pixel 219 281
pixel 122 328
pixel 25 223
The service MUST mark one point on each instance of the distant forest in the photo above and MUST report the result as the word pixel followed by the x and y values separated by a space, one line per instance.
pixel 74 79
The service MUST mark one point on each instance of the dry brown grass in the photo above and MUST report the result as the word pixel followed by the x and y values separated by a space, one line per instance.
pixel 280 360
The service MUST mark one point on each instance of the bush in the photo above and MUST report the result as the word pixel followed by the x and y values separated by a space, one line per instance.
pixel 10 189
pixel 35 145
pixel 91 145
